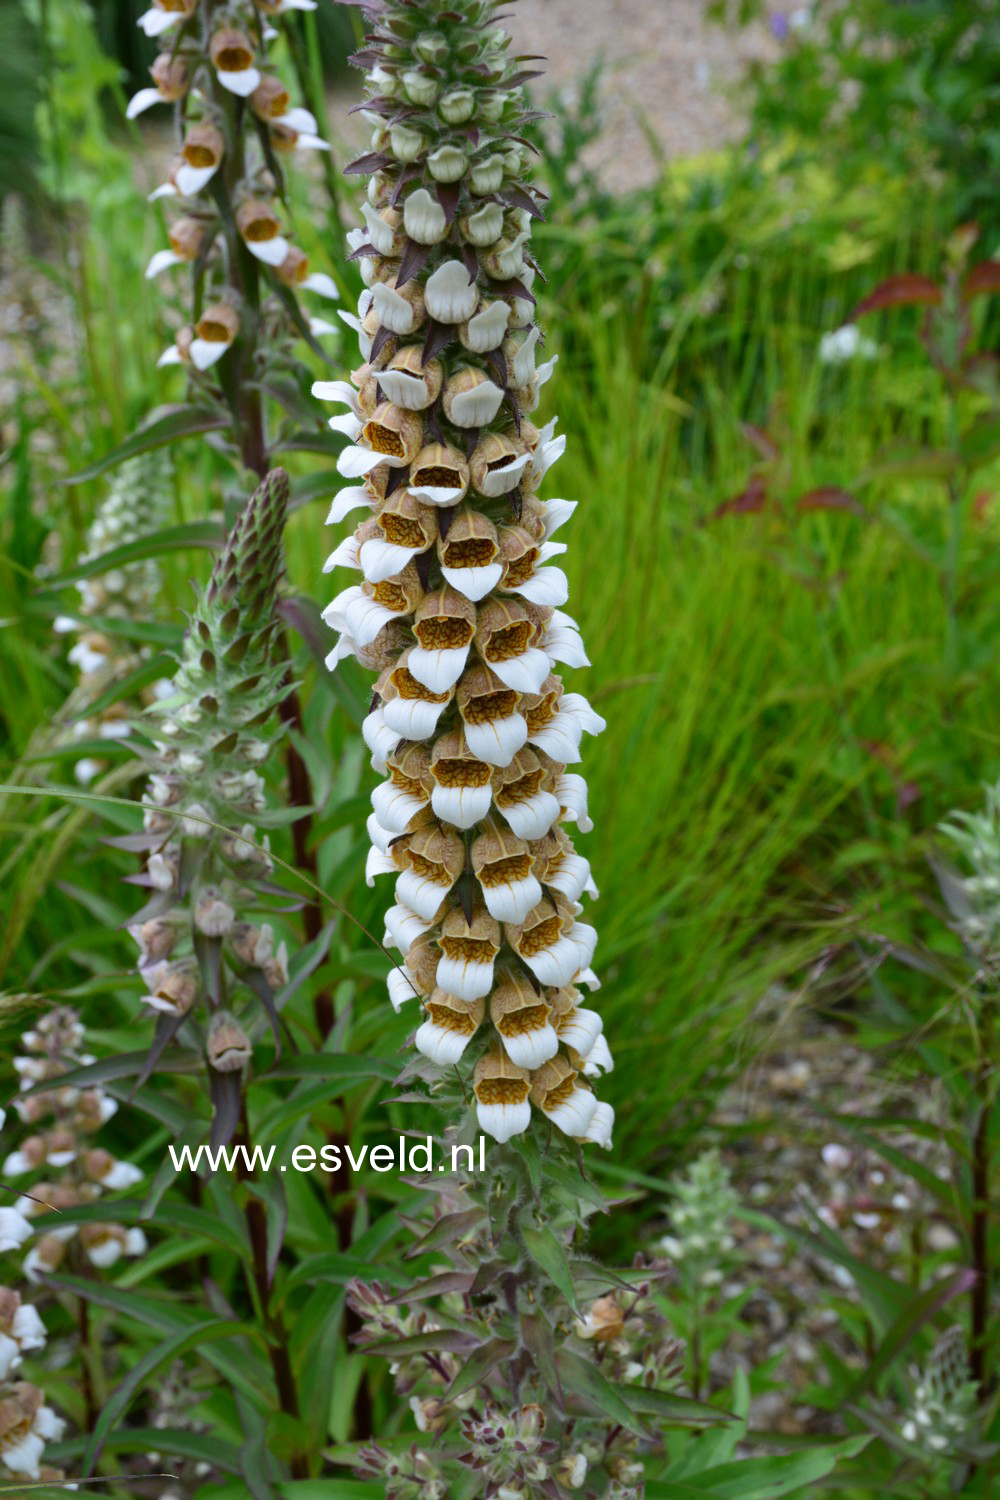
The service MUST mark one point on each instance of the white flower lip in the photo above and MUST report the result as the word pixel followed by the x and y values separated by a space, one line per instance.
pixel 437 670
pixel 405 390
pixel 424 220
pixel 497 741
pixel 207 352
pixel 486 330
pixel 155 22
pixel 601 1125
pixel 422 894
pixel 512 901
pixel 344 555
pixel 378 864
pixel 501 481
pixel 143 100
pixel 561 737
pixel 403 927
pixel 401 988
pixel 571 790
pixel 598 1059
pixel 300 119
pixel 524 673
pixel 449 294
pixel 474 583
pixel 556 965
pixel 440 1043
pixel 241 81
pixel 190 180
pixel 529 1049
pixel 394 807
pixel 502 1121
pixel 436 494
pixel 464 978
pixel 324 286
pixel 272 252
pixel 533 817
pixel 161 261
pixel 380 739
pixel 381 560
pixel 574 1114
pixel 340 391
pixel 463 807
pixel 478 407
pixel 413 718
pixel 379 232
pixel 394 312
pixel 580 1030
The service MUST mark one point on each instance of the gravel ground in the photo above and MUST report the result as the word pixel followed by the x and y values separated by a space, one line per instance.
pixel 668 72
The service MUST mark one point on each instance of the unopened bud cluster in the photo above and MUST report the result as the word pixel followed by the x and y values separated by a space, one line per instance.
pixel 974 898
pixel 58 1160
pixel 206 796
pixel 701 1242
pixel 26 1423
pixel 943 1411
pixel 63 1169
pixel 458 607
pixel 137 504
pixel 236 122
pixel 508 1432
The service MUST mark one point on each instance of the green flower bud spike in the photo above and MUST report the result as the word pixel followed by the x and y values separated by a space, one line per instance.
pixel 200 956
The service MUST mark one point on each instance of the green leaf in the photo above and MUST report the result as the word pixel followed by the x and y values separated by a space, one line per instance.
pixel 452 1340
pixel 178 422
pixel 678 1411
pixel 199 1446
pixel 917 463
pixel 550 1257
pixel 586 1381
pixel 155 544
pixel 118 1402
pixel 332 1489
pixel 924 1307
pixel 479 1364
pixel 764 1478
pixel 124 1065
pixel 241 1368
pixel 132 683
pixel 980 443
pixel 336 1067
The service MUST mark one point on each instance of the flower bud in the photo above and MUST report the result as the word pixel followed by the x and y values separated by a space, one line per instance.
pixel 229 1046
pixel 212 915
pixel 171 76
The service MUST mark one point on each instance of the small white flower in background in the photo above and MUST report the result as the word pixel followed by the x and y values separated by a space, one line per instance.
pixel 844 344
pixel 944 1405
pixel 702 1243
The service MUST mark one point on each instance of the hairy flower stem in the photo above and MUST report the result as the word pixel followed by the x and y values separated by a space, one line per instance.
pixel 274 1324
pixel 982 1151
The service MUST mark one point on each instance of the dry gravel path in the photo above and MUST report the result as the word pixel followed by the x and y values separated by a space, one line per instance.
pixel 665 66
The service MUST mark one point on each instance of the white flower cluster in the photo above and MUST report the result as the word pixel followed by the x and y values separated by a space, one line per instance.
pixel 701 1243
pixel 26 1423
pixel 944 1402
pixel 138 502
pixel 65 1170
pixel 459 602
pixel 212 57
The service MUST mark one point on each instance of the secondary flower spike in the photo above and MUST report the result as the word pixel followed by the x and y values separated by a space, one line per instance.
pixel 456 601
